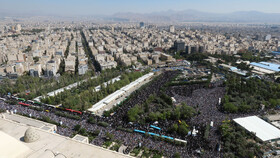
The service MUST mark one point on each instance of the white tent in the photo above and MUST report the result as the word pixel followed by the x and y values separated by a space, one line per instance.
pixel 263 130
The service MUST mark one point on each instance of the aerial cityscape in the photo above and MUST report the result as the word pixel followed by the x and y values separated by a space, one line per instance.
pixel 149 79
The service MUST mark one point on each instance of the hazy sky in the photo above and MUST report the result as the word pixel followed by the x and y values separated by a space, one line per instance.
pixel 107 7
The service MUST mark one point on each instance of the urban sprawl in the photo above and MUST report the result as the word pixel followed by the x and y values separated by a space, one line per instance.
pixel 141 89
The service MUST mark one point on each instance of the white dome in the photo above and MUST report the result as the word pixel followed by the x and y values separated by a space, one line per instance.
pixel 31 135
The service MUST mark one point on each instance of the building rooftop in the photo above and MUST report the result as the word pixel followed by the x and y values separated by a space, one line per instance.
pixel 276 52
pixel 14 146
pixel 9 145
pixel 262 129
pixel 266 65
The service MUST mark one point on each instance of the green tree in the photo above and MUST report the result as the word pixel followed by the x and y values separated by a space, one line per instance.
pixel 176 155
pixel 183 128
pixel 77 127
pixel 230 107
pixel 133 113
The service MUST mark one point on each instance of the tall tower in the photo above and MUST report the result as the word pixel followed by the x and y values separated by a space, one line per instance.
pixel 18 28
pixel 48 28
pixel 142 24
pixel 172 29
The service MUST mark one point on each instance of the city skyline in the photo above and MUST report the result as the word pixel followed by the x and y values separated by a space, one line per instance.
pixel 150 78
pixel 109 7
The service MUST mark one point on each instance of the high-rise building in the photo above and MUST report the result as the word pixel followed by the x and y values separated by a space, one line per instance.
pixel 18 28
pixel 172 29
pixel 2 30
pixel 201 49
pixel 13 28
pixel 35 70
pixel 188 50
pixel 82 69
pixel 194 49
pixel 268 37
pixel 51 68
pixel 48 28
pixel 142 24
pixel 179 46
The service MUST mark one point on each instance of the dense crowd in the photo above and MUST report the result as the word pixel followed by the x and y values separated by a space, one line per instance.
pixel 206 102
pixel 203 99
pixel 128 139
pixel 139 97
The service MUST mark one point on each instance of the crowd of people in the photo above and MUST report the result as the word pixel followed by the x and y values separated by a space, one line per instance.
pixel 206 102
pixel 139 97
pixel 203 99
pixel 130 140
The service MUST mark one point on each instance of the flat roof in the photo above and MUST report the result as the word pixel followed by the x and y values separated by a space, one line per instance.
pixel 262 129
pixel 225 65
pixel 128 87
pixel 27 121
pixel 275 52
pixel 113 96
pixel 80 138
pixel 50 142
pixel 266 65
pixel 118 93
pixel 11 147
pixel 258 72
pixel 97 107
pixel 275 117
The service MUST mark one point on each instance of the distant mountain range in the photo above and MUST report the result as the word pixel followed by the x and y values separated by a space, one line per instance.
pixel 198 16
pixel 168 16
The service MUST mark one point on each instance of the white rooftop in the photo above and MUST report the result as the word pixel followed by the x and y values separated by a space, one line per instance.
pixel 105 101
pixel 261 128
pixel 11 145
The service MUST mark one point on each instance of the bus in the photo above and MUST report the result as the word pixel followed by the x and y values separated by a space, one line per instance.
pixel 79 112
pixel 21 99
pixel 153 134
pixel 163 136
pixel 139 131
pixel 30 101
pixel 76 111
pixel 155 127
pixel 36 102
pixel 24 104
pixel 180 140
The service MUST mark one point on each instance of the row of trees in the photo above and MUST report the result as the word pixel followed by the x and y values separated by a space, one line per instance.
pixel 92 63
pixel 245 95
pixel 250 56
pixel 84 96
pixel 29 87
pixel 244 55
pixel 236 142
